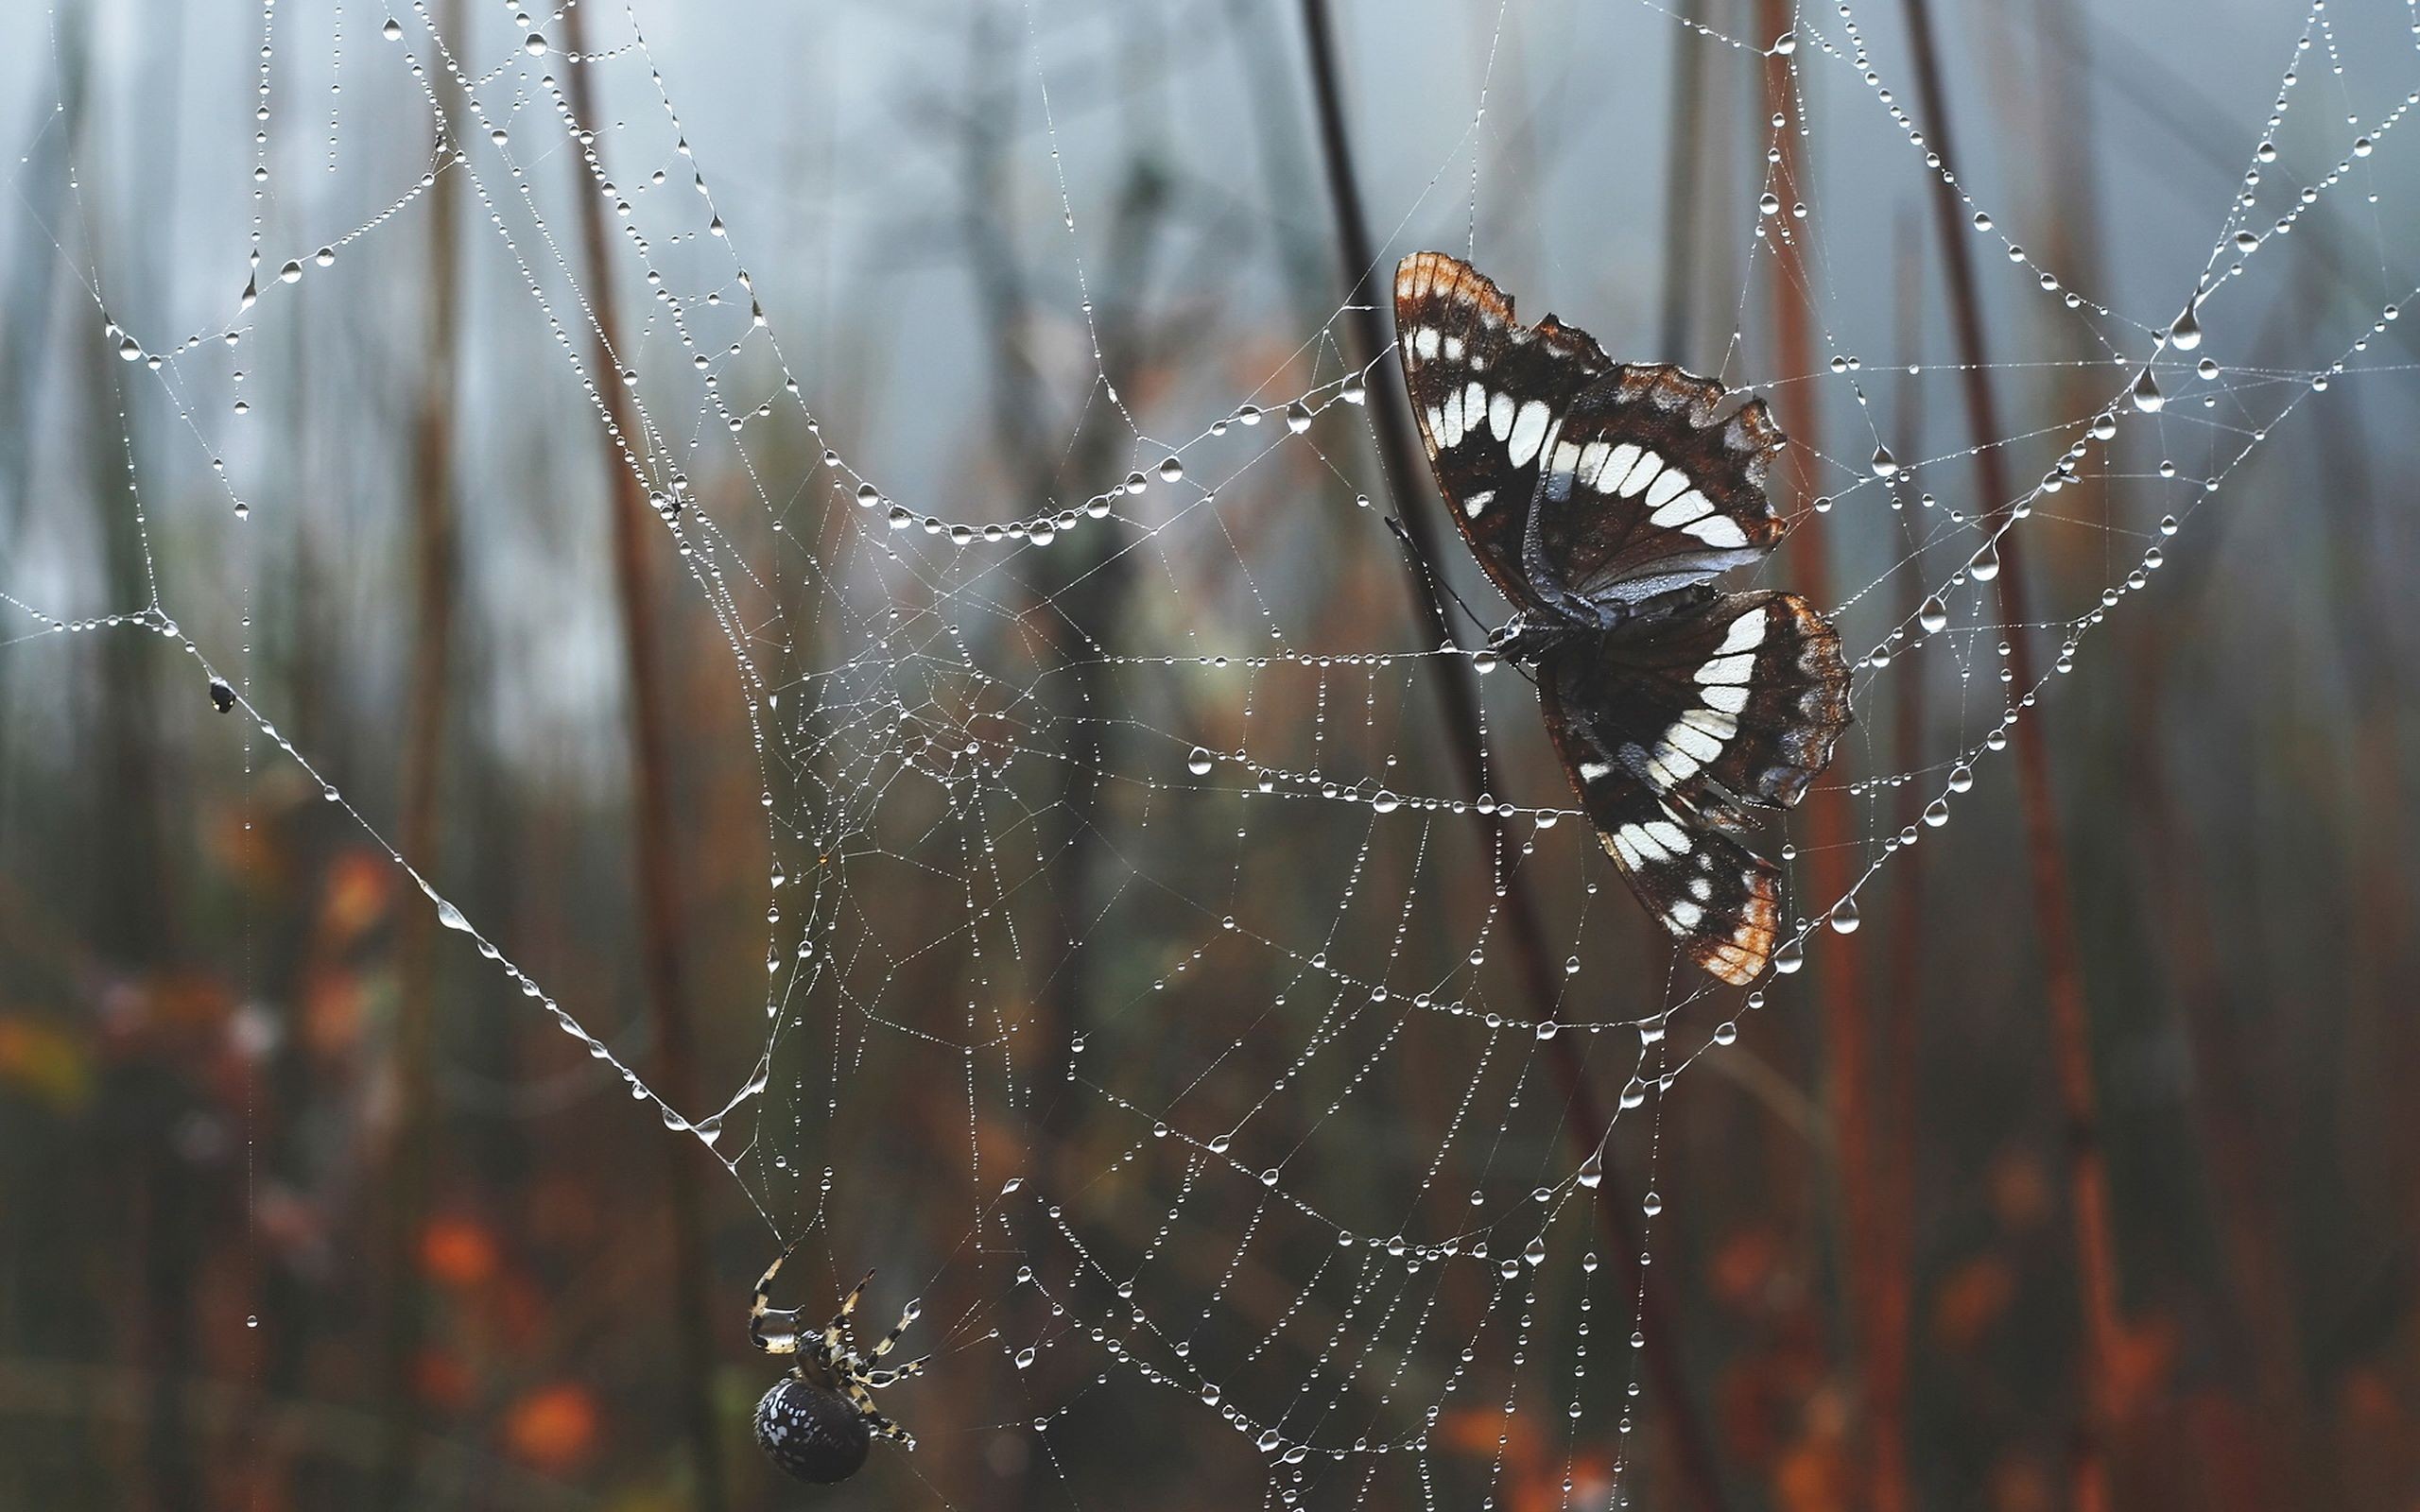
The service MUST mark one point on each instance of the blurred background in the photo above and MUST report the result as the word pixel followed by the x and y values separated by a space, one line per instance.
pixel 813 655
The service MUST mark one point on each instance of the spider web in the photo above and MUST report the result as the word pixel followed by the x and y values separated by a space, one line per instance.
pixel 1117 878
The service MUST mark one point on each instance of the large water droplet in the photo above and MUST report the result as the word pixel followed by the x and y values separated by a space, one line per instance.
pixel 1933 614
pixel 1592 1171
pixel 1986 563
pixel 1843 918
pixel 1788 958
pixel 1937 814
pixel 1298 417
pixel 1536 1252
pixel 1885 465
pixel 1199 763
pixel 2147 395
pixel 451 916
pixel 2186 332
pixel 1171 470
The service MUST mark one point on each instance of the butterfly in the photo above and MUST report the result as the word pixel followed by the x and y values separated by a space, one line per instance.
pixel 1601 498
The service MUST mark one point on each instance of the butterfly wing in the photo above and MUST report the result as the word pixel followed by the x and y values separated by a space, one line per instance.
pixel 1671 727
pixel 1647 487
pixel 1487 392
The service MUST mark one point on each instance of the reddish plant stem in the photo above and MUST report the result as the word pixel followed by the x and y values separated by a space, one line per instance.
pixel 658 865
pixel 1840 987
pixel 2053 911
pixel 425 721
pixel 1896 1060
pixel 1686 1439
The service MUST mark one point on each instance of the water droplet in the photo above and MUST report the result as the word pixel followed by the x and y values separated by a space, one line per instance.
pixel 1536 1252
pixel 451 916
pixel 128 350
pixel 1986 563
pixel 1885 465
pixel 1933 614
pixel 1651 1203
pixel 1025 1358
pixel 1937 813
pixel 1298 417
pixel 1171 470
pixel 1962 777
pixel 2167 526
pixel 1592 1171
pixel 1484 661
pixel 1843 917
pixel 2147 395
pixel 1769 205
pixel 1726 1032
pixel 392 30
pixel 1788 958
pixel 1199 763
pixel 534 44
pixel 1385 803
pixel 2186 332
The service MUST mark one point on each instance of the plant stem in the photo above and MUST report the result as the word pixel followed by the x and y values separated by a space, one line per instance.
pixel 659 887
pixel 433 565
pixel 2053 912
pixel 1402 459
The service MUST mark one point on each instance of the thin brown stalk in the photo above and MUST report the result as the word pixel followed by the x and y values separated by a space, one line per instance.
pixel 2053 910
pixel 1886 1369
pixel 1839 967
pixel 424 723
pixel 1682 160
pixel 1688 1441
pixel 654 854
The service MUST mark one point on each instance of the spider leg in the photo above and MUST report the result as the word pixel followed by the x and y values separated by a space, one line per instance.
pixel 786 1340
pixel 878 1379
pixel 835 1334
pixel 885 1428
pixel 876 1421
pixel 890 1340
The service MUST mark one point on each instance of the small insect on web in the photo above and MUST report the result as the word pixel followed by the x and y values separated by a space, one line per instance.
pixel 1600 498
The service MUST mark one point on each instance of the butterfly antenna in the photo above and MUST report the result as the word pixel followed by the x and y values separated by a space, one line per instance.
pixel 1436 584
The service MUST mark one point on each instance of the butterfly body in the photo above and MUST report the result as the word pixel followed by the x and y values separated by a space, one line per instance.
pixel 1601 499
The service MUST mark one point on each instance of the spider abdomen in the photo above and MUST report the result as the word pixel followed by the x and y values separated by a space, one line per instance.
pixel 815 1435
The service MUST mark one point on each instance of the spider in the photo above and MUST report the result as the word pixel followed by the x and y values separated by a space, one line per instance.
pixel 819 1421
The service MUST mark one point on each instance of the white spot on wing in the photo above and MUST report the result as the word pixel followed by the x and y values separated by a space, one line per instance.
pixel 1499 413
pixel 1685 913
pixel 1672 481
pixel 1529 432
pixel 1591 771
pixel 1697 743
pixel 1425 343
pixel 1728 668
pixel 1477 503
pixel 1669 836
pixel 1452 348
pixel 1641 474
pixel 1449 433
pixel 1681 511
pixel 1747 633
pixel 1720 727
pixel 1717 530
pixel 1614 468
pixel 1729 699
